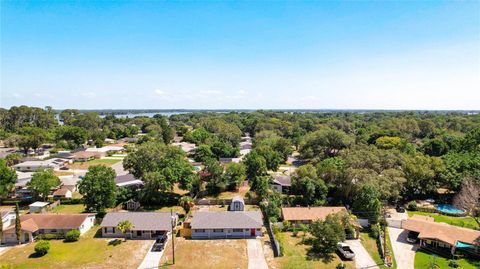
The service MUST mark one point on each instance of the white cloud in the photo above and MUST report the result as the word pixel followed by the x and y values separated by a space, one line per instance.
pixel 210 92
pixel 160 92
pixel 17 95
pixel 88 94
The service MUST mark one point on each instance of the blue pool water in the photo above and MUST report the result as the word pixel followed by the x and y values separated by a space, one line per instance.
pixel 449 209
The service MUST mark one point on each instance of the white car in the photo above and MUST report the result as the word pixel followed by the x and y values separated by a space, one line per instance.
pixel 346 251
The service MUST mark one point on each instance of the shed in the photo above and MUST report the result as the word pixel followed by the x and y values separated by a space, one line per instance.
pixel 37 207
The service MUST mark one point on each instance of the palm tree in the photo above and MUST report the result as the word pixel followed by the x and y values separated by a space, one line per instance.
pixel 125 226
pixel 187 203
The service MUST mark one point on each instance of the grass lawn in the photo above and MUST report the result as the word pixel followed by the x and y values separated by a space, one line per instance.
pixel 175 208
pixel 295 255
pixel 62 173
pixel 69 209
pixel 230 194
pixel 371 246
pixel 423 259
pixel 212 254
pixel 467 222
pixel 85 165
pixel 88 252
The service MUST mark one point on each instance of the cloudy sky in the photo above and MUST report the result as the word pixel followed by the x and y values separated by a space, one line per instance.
pixel 312 55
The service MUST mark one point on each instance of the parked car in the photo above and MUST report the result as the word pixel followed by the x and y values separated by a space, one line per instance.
pixel 161 238
pixel 346 251
pixel 400 209
pixel 158 246
pixel 412 237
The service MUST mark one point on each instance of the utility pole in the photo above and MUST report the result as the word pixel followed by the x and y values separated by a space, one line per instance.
pixel 173 221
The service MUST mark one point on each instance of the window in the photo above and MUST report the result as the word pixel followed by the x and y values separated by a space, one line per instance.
pixel 237 230
pixel 218 230
pixel 200 230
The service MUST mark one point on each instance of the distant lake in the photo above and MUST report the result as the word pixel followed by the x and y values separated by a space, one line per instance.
pixel 149 114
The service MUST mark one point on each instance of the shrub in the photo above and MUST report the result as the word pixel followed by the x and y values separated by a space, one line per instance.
pixel 453 264
pixel 72 236
pixel 47 236
pixel 374 230
pixel 341 266
pixel 42 247
pixel 412 206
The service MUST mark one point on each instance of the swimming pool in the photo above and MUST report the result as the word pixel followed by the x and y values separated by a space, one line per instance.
pixel 449 209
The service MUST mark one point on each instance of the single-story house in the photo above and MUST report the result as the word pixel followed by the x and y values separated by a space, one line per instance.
pixel 37 207
pixel 281 183
pixel 226 224
pixel 106 149
pixel 127 181
pixel 185 146
pixel 306 215
pixel 8 216
pixel 32 166
pixel 147 225
pixel 59 224
pixel 63 192
pixel 69 182
pixel 237 204
pixel 229 160
pixel 443 237
pixel 84 156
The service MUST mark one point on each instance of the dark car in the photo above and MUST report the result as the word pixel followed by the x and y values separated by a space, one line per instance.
pixel 412 237
pixel 157 247
pixel 400 209
pixel 161 238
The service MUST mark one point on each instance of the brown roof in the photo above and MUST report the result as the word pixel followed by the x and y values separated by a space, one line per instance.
pixel 310 213
pixel 35 222
pixel 428 229
pixel 61 192
pixel 85 154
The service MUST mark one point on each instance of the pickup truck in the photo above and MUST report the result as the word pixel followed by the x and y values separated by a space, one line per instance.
pixel 346 251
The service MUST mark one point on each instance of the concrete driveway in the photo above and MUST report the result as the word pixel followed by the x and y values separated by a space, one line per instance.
pixel 403 251
pixel 256 258
pixel 363 260
pixel 152 259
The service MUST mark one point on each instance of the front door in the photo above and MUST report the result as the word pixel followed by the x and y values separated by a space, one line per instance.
pixel 252 232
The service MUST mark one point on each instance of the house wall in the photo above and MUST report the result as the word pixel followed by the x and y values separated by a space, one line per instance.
pixel 277 188
pixel 237 206
pixel 37 209
pixel 87 224
pixel 9 237
pixel 113 232
pixel 223 233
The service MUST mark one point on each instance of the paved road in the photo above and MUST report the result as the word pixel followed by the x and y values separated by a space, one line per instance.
pixel 118 167
pixel 362 258
pixel 256 258
pixel 403 251
pixel 152 259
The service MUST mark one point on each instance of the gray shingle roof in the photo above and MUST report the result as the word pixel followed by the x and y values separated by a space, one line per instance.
pixel 283 180
pixel 227 219
pixel 154 221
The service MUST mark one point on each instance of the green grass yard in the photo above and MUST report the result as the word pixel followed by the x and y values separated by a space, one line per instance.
pixel 466 222
pixel 88 252
pixel 424 259
pixel 371 246
pixel 295 255
pixel 69 209
pixel 85 165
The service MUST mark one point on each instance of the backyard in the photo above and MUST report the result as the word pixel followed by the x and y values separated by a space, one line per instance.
pixel 85 165
pixel 69 209
pixel 466 222
pixel 295 255
pixel 212 254
pixel 88 252
pixel 425 259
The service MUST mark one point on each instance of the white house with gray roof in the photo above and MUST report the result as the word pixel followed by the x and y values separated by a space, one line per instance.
pixel 226 224
pixel 147 225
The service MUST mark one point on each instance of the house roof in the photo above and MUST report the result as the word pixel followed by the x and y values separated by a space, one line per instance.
pixel 227 219
pixel 310 213
pixel 282 180
pixel 85 154
pixel 428 229
pixel 154 221
pixel 39 204
pixel 34 222
pixel 126 180
pixel 238 198
pixel 61 192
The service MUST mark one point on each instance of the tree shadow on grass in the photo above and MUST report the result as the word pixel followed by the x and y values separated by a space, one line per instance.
pixel 317 254
pixel 114 242
pixel 36 255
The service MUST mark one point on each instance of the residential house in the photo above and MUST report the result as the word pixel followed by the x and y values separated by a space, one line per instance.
pixel 8 216
pixel 104 150
pixel 237 204
pixel 38 207
pixel 84 156
pixel 185 146
pixel 226 224
pixel 306 215
pixel 229 160
pixel 69 182
pixel 34 165
pixel 37 224
pixel 281 183
pixel 127 180
pixel 62 192
pixel 147 225
pixel 442 237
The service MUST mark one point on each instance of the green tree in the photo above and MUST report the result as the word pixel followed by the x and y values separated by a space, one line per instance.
pixel 71 136
pixel 202 153
pixel 42 183
pixel 160 166
pixel 422 173
pixel 215 180
pixel 326 234
pixel 8 178
pixel 31 137
pixel 186 202
pixel 98 188
pixel 256 167
pixel 324 143
pixel 306 183
pixel 124 226
pixel 235 174
pixel 18 224
pixel 367 204
pixel 272 157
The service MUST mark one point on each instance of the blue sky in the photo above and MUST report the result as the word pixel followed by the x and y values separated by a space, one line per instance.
pixel 341 55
